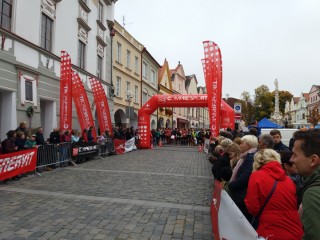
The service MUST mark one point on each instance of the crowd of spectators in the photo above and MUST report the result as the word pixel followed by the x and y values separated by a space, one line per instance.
pixel 270 182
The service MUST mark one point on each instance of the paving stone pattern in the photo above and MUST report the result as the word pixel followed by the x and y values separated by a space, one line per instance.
pixel 163 193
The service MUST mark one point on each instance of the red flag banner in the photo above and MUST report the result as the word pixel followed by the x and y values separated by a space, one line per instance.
pixel 16 163
pixel 101 102
pixel 213 75
pixel 81 102
pixel 65 92
pixel 119 146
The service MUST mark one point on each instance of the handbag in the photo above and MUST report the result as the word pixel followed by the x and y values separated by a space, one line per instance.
pixel 255 220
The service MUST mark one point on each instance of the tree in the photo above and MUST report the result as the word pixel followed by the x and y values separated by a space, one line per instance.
pixel 247 108
pixel 313 117
pixel 263 102
pixel 284 96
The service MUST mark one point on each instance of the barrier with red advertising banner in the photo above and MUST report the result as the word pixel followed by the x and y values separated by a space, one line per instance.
pixel 224 212
pixel 119 145
pixel 123 146
pixel 16 163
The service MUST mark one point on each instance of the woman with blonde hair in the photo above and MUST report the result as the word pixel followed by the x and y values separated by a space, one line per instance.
pixel 241 173
pixel 234 153
pixel 271 198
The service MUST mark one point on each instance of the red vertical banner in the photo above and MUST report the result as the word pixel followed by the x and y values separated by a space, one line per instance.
pixel 213 75
pixel 102 106
pixel 81 102
pixel 65 92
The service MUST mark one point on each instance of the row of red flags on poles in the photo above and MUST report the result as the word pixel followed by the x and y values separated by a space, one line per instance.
pixel 71 87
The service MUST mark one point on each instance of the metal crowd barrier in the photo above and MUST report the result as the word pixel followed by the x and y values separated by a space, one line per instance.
pixel 106 146
pixel 50 155
pixel 65 153
pixel 47 155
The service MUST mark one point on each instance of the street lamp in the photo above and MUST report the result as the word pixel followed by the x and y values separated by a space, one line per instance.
pixel 129 97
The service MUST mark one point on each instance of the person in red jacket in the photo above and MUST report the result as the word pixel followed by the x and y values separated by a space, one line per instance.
pixel 84 136
pixel 279 220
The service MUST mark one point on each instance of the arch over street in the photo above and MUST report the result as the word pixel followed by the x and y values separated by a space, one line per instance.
pixel 199 100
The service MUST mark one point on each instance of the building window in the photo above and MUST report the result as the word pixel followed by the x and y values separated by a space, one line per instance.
pixel 135 94
pixel 28 89
pixel 119 53
pixel 100 12
pixel 29 92
pixel 46 32
pixel 81 54
pixel 136 64
pixel 144 97
pixel 6 14
pixel 100 67
pixel 118 87
pixel 153 77
pixel 128 89
pixel 128 58
pixel 144 70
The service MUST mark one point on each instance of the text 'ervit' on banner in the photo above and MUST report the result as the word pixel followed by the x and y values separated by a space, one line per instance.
pixel 65 92
pixel 82 104
pixel 102 106
pixel 213 77
pixel 16 163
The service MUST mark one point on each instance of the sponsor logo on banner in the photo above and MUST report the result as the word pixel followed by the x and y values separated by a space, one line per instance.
pixel 82 104
pixel 88 149
pixel 13 164
pixel 102 105
pixel 65 92
pixel 75 151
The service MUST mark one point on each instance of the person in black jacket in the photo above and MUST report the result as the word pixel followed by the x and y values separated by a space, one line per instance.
pixel 241 173
pixel 39 137
pixel 8 145
pixel 20 140
pixel 222 159
pixel 278 145
pixel 54 136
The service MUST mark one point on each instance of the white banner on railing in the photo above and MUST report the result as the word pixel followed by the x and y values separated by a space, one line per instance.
pixel 224 212
pixel 130 145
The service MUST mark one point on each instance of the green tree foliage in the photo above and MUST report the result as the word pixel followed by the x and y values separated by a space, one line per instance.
pixel 263 103
pixel 247 107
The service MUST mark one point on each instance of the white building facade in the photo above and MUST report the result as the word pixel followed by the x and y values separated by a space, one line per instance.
pixel 33 34
pixel 296 111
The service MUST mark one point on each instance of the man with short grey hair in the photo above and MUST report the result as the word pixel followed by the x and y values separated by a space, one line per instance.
pixel 266 141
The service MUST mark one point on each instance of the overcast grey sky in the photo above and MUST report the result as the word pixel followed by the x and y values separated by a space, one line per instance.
pixel 260 40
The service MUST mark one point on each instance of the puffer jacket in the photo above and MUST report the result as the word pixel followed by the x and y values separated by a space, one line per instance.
pixel 311 206
pixel 279 219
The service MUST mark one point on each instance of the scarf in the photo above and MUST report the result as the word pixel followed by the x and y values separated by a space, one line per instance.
pixel 240 161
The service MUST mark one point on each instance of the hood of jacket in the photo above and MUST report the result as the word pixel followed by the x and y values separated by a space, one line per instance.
pixel 275 170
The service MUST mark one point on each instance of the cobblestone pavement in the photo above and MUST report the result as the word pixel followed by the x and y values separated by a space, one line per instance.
pixel 162 193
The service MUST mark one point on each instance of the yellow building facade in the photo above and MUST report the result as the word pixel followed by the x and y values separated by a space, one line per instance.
pixel 126 75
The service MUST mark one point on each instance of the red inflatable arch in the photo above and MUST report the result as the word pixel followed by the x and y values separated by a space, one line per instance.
pixel 176 101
